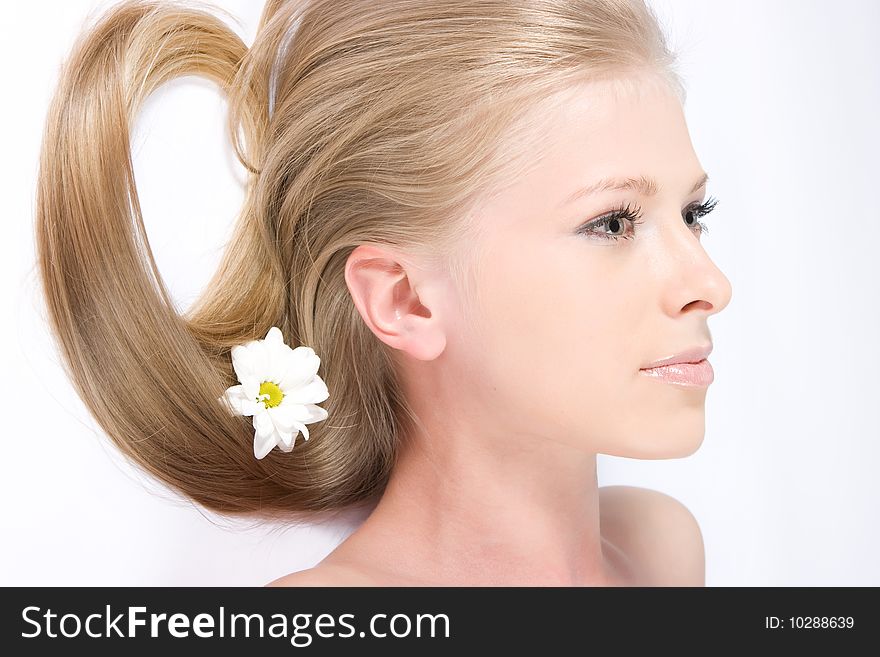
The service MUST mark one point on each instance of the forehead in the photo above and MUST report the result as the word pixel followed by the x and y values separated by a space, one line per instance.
pixel 622 126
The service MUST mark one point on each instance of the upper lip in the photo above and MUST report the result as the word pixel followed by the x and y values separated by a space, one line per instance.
pixel 691 355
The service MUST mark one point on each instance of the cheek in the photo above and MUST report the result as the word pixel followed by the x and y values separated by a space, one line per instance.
pixel 555 334
pixel 554 349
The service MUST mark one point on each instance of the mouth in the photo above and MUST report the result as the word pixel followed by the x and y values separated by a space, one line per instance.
pixel 690 355
pixel 699 374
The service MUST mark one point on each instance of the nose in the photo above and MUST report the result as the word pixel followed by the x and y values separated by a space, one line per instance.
pixel 695 281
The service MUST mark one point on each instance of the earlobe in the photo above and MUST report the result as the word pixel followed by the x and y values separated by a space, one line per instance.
pixel 385 296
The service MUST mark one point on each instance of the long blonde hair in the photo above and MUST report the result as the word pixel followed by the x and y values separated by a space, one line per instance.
pixel 358 122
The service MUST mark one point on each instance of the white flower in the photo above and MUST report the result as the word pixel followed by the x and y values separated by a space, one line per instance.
pixel 279 387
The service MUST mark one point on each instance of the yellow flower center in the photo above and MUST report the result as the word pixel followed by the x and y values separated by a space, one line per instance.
pixel 270 394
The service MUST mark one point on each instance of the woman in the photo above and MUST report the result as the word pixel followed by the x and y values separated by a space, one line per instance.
pixel 480 219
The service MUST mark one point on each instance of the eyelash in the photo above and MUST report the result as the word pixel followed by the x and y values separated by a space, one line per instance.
pixel 633 215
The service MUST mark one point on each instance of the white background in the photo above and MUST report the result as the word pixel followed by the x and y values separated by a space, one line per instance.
pixel 783 106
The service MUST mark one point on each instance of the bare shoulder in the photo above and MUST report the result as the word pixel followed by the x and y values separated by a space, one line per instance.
pixel 324 575
pixel 657 532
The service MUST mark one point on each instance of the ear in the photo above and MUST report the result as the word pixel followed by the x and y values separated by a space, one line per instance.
pixel 386 295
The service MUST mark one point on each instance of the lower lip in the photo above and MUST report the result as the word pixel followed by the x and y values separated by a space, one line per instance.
pixel 684 374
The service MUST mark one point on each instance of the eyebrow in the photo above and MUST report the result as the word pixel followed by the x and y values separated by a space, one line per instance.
pixel 643 184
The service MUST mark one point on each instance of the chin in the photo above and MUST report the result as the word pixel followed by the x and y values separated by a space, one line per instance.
pixel 672 441
pixel 686 447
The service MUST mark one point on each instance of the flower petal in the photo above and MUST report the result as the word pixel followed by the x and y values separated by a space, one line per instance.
pixel 263 423
pixel 263 444
pixel 283 418
pixel 238 401
pixel 277 361
pixel 259 358
pixel 242 362
pixel 305 413
pixel 265 436
pixel 231 399
pixel 316 413
pixel 289 417
pixel 251 387
pixel 288 439
pixel 274 336
pixel 300 367
pixel 304 429
pixel 313 392
pixel 250 407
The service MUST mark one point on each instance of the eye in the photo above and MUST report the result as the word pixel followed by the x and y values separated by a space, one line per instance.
pixel 616 221
pixel 693 213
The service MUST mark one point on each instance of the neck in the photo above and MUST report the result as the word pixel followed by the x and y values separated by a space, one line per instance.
pixel 462 509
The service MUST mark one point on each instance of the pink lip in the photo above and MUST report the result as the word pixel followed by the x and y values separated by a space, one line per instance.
pixel 693 355
pixel 689 374
pixel 689 367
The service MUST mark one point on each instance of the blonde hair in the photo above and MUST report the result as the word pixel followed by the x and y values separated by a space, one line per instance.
pixel 358 122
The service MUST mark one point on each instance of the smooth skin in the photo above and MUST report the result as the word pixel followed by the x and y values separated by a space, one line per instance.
pixel 520 386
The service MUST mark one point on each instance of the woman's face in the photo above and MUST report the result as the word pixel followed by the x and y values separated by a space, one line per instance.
pixel 567 317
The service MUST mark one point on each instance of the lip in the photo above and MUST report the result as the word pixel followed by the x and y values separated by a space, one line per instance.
pixel 686 368
pixel 692 355
pixel 698 374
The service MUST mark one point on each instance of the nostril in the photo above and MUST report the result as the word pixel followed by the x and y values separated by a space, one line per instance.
pixel 699 303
